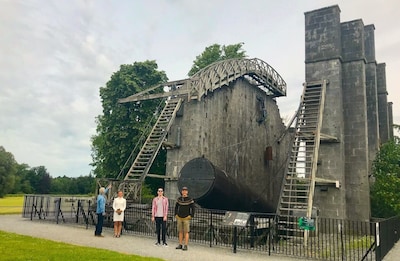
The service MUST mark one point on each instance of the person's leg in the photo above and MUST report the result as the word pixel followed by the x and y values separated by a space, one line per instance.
pixel 163 230
pixel 180 237
pixel 120 228
pixel 99 225
pixel 180 231
pixel 186 230
pixel 96 232
pixel 115 228
pixel 101 219
pixel 186 238
pixel 179 225
pixel 158 228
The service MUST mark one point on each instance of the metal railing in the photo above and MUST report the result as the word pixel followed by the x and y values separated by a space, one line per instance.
pixel 332 239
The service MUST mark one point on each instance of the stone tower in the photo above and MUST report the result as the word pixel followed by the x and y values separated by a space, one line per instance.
pixel 356 109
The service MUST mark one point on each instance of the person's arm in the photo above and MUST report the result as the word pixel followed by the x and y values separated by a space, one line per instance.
pixel 166 206
pixel 192 210
pixel 176 209
pixel 153 208
pixel 114 205
pixel 123 205
pixel 107 188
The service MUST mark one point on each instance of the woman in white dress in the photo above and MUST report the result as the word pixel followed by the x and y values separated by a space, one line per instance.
pixel 119 206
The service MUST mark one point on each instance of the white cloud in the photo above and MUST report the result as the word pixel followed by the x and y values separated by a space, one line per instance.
pixel 56 54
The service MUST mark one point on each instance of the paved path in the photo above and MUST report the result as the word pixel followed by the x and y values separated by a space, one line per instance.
pixel 130 244
pixel 394 254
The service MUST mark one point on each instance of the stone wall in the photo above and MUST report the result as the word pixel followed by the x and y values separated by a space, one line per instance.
pixel 382 103
pixel 355 121
pixel 372 94
pixel 226 127
pixel 356 109
pixel 323 26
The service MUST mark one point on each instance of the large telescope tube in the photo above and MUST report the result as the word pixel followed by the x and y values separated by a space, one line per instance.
pixel 214 189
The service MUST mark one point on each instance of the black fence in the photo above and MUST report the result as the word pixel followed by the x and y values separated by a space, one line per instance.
pixel 327 239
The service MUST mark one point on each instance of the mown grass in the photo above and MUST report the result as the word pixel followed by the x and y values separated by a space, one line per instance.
pixel 11 204
pixel 17 247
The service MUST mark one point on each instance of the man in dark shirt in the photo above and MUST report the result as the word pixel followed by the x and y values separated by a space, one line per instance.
pixel 184 212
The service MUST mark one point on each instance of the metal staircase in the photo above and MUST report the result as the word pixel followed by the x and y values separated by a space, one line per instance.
pixel 296 199
pixel 138 171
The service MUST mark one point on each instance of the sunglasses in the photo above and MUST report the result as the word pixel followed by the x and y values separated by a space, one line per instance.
pixel 159 191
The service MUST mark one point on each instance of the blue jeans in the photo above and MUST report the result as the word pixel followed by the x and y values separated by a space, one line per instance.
pixel 99 225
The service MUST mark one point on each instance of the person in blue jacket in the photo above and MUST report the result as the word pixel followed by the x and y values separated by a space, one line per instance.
pixel 101 210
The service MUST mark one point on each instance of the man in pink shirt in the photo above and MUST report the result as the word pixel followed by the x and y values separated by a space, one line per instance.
pixel 159 213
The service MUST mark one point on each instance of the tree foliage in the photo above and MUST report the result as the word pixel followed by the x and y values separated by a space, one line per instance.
pixel 7 171
pixel 121 125
pixel 21 179
pixel 40 180
pixel 385 193
pixel 215 53
pixel 82 185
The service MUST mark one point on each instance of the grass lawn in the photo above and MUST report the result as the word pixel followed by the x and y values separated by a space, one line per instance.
pixel 11 205
pixel 17 247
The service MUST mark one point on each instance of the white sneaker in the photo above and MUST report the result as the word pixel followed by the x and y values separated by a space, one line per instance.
pixel 165 245
pixel 157 244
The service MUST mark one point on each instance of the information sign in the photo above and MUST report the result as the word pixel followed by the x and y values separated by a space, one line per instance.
pixel 238 219
pixel 306 223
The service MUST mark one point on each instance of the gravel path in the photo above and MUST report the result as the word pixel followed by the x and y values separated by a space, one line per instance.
pixel 130 244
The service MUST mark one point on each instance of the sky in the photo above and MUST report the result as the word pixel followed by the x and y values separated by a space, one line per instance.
pixel 56 54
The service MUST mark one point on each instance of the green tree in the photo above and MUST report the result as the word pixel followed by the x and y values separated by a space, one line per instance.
pixel 39 179
pixel 61 185
pixel 385 196
pixel 121 125
pixel 215 53
pixel 8 168
pixel 85 184
pixel 64 185
pixel 22 183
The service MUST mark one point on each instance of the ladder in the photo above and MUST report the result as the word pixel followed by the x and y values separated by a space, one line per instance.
pixel 132 184
pixel 296 198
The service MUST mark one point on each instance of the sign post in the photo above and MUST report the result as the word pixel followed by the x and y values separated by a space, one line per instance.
pixel 235 219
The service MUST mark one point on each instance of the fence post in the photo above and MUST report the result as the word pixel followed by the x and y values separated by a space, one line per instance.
pixel 378 250
pixel 234 239
pixel 58 209
pixel 269 236
pixel 252 230
pixel 33 206
pixel 87 219
pixel 211 227
pixel 41 207
pixel 77 211
pixel 341 241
